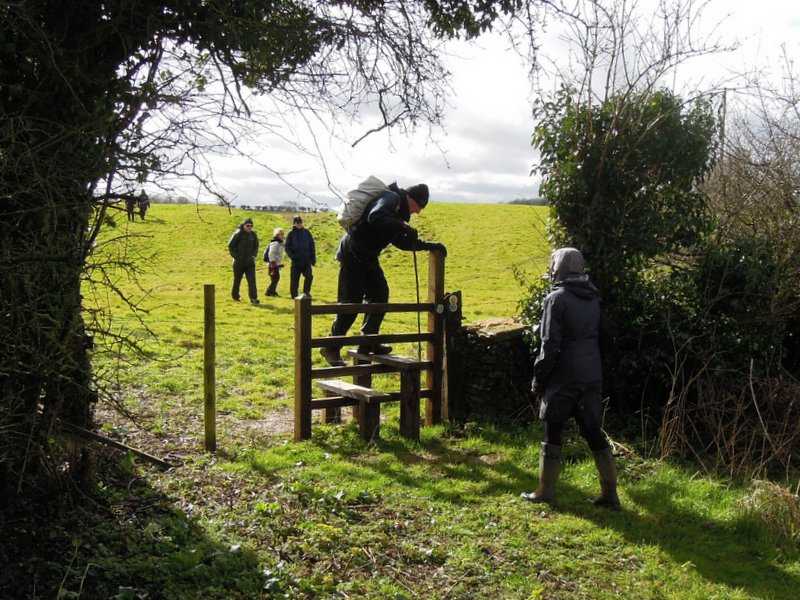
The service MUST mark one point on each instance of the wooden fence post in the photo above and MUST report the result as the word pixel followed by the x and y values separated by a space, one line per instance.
pixel 434 350
pixel 302 367
pixel 209 378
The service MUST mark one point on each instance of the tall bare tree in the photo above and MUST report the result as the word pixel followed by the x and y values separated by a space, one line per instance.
pixel 98 97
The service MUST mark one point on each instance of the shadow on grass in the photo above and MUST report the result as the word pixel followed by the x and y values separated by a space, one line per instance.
pixel 126 542
pixel 449 473
pixel 733 553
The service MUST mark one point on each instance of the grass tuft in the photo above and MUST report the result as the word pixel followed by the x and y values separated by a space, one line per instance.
pixel 776 508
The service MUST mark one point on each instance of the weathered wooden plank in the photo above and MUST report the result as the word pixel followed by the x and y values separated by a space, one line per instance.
pixel 350 309
pixel 336 341
pixel 350 390
pixel 393 360
pixel 332 402
pixel 361 369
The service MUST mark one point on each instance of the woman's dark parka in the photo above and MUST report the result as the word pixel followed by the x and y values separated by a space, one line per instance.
pixel 569 329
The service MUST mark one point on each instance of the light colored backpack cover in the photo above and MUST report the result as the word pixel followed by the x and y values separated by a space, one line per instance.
pixel 357 200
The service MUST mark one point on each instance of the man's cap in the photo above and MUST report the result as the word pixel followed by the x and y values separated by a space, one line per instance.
pixel 419 193
pixel 247 220
pixel 297 219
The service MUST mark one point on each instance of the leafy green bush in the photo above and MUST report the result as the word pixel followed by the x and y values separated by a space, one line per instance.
pixel 621 178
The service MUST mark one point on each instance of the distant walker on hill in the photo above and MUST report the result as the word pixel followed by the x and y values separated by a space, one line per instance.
pixel 130 207
pixel 384 221
pixel 143 203
pixel 273 256
pixel 243 247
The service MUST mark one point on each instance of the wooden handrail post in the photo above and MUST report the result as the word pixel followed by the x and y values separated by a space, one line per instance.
pixel 209 358
pixel 452 389
pixel 302 367
pixel 435 349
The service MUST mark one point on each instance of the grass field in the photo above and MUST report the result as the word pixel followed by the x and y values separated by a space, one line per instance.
pixel 335 518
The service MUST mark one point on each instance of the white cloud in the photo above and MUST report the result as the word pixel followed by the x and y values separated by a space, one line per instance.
pixel 484 153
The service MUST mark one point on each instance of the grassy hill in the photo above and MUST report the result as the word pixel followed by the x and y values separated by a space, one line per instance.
pixel 335 518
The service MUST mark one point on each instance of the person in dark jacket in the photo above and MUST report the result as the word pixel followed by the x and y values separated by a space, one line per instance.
pixel 568 375
pixel 143 203
pixel 301 250
pixel 384 221
pixel 130 207
pixel 243 247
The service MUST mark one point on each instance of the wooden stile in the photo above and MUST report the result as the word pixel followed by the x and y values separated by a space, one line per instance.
pixel 360 395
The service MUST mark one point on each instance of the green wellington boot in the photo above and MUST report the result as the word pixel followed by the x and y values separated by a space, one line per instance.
pixel 549 469
pixel 607 472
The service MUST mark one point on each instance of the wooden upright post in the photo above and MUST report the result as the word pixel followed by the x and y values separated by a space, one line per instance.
pixel 302 367
pixel 409 403
pixel 209 379
pixel 364 380
pixel 452 388
pixel 435 354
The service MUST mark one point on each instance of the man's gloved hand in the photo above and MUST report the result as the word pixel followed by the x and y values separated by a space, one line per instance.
pixel 436 247
pixel 536 389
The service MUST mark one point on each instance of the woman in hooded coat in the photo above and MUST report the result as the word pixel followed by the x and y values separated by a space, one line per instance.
pixel 568 375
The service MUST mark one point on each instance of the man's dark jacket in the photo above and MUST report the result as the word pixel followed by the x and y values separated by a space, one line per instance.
pixel 385 222
pixel 243 246
pixel 570 331
pixel 300 247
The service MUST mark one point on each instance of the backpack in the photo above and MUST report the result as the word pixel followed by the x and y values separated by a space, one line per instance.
pixel 357 200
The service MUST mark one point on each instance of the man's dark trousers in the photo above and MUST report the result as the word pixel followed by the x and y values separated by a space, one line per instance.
pixel 359 281
pixel 249 271
pixel 294 278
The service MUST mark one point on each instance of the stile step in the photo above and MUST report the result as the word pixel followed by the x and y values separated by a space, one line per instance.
pixel 350 390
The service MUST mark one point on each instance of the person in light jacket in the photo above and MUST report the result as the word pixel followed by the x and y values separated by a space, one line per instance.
pixel 568 375
pixel 301 249
pixel 273 256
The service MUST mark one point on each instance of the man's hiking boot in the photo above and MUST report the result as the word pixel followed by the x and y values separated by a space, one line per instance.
pixel 607 473
pixel 332 356
pixel 255 301
pixel 374 349
pixel 549 469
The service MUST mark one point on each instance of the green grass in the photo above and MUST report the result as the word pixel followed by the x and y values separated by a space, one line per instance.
pixel 336 518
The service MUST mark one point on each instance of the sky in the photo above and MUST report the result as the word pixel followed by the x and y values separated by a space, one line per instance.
pixel 483 153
